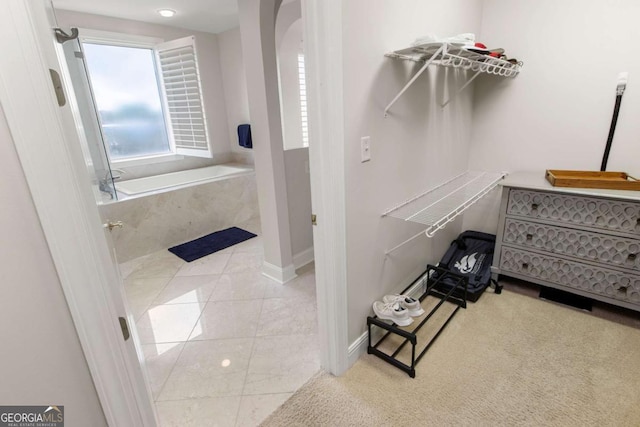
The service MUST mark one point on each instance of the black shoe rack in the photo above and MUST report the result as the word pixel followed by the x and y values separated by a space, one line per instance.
pixel 399 336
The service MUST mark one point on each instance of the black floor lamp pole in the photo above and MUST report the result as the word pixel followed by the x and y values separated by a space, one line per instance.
pixel 622 84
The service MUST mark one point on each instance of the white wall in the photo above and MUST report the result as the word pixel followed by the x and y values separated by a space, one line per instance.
pixel 210 74
pixel 556 113
pixel 296 163
pixel 418 146
pixel 42 361
pixel 257 29
pixel 235 88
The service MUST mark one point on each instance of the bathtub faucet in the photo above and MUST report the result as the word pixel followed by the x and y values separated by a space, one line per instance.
pixel 110 172
pixel 106 183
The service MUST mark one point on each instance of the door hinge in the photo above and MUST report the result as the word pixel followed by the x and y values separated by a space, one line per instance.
pixel 124 327
pixel 314 219
pixel 57 87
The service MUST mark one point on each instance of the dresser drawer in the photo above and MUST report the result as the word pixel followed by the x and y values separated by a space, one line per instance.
pixel 605 214
pixel 596 247
pixel 594 280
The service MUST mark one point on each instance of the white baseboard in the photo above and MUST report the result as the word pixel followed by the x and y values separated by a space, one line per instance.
pixel 303 258
pixel 280 275
pixel 359 346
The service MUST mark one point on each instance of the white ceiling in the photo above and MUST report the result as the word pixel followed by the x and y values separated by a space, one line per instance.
pixel 212 16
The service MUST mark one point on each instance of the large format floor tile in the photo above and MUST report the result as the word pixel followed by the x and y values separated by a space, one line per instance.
pixel 224 345
pixel 159 361
pixel 288 316
pixel 210 368
pixel 252 245
pixel 281 364
pixel 303 286
pixel 158 264
pixel 211 264
pixel 188 289
pixel 141 292
pixel 228 319
pixel 168 323
pixel 244 261
pixel 241 286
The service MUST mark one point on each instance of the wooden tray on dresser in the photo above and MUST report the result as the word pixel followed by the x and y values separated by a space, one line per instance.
pixel 592 179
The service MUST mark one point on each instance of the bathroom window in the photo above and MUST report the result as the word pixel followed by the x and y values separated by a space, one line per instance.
pixel 148 97
pixel 303 100
pixel 128 100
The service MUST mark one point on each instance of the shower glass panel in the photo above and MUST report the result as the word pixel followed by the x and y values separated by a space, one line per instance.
pixel 94 149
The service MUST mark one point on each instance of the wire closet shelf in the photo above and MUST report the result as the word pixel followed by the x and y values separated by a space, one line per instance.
pixel 453 56
pixel 440 205
pixel 449 55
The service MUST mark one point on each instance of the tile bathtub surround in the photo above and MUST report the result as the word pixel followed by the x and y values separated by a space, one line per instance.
pixel 217 334
pixel 159 221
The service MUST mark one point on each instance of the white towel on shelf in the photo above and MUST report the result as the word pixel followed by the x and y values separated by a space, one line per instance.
pixel 461 39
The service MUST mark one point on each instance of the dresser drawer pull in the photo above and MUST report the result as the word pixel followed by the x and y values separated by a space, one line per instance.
pixel 534 206
pixel 529 237
pixel 525 265
pixel 632 257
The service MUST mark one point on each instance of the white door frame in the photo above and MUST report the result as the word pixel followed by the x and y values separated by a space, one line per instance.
pixel 60 186
pixel 323 65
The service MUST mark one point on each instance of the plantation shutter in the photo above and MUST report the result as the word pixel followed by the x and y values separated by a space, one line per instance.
pixel 178 65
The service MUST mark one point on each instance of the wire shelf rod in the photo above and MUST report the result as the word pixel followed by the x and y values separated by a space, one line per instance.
pixel 436 214
pixel 456 199
pixel 463 186
pixel 413 79
pixel 458 211
pixel 444 104
pixel 431 190
pixel 455 57
pixel 399 245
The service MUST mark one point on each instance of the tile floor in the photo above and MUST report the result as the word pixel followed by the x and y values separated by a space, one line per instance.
pixel 218 337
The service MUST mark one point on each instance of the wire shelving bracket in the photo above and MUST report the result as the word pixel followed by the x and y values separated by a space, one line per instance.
pixel 440 205
pixel 448 55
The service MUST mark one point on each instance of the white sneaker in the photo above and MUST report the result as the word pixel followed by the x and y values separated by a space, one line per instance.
pixel 393 311
pixel 411 304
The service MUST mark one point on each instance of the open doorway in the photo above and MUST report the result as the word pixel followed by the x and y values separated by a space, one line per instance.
pixel 215 333
pixel 295 130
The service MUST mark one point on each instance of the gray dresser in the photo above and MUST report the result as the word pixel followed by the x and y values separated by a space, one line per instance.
pixel 583 241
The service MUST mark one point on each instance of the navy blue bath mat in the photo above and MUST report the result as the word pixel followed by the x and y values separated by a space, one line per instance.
pixel 211 243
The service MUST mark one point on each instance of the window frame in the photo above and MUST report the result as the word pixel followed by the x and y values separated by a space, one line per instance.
pixel 302 87
pixel 135 41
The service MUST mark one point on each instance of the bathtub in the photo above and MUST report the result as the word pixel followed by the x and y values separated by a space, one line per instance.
pixel 165 210
pixel 181 179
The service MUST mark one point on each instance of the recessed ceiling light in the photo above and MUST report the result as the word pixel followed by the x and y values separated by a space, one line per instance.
pixel 167 13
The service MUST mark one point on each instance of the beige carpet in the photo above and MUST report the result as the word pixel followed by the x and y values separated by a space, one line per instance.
pixel 507 360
